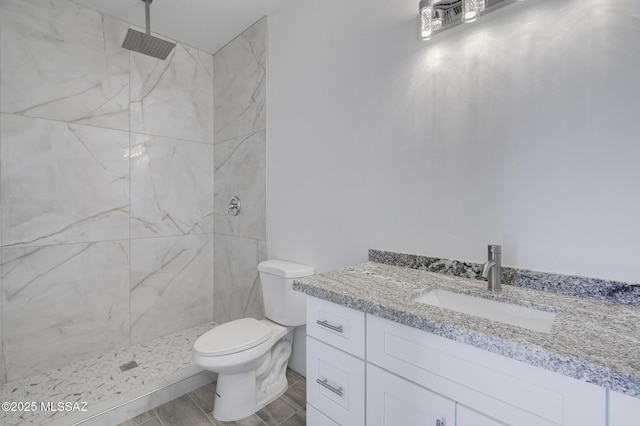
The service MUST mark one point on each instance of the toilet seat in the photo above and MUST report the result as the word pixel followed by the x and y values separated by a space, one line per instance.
pixel 232 337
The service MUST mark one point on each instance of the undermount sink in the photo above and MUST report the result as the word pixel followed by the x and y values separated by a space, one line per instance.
pixel 507 313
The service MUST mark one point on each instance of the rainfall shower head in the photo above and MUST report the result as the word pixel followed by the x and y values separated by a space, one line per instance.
pixel 146 43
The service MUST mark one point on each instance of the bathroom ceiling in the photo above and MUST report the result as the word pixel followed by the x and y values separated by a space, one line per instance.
pixel 204 24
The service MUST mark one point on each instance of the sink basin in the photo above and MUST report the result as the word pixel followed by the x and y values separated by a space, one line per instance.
pixel 520 316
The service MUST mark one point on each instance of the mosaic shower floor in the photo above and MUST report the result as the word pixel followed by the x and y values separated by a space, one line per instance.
pixel 97 392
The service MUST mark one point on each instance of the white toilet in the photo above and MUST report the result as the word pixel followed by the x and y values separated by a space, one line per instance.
pixel 251 356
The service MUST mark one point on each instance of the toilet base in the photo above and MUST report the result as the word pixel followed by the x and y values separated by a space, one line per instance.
pixel 240 395
pixel 236 397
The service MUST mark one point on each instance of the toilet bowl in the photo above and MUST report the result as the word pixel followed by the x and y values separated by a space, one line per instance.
pixel 251 356
pixel 239 351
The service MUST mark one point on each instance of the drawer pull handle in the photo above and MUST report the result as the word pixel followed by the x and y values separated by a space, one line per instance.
pixel 324 323
pixel 439 422
pixel 324 384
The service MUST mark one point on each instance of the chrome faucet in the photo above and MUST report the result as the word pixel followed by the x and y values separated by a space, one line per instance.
pixel 492 269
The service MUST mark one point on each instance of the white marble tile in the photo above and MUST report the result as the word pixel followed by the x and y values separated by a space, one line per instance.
pixel 171 284
pixel 239 84
pixel 240 170
pixel 254 307
pixel 2 369
pixel 171 187
pixel 237 293
pixel 64 62
pixel 174 97
pixel 63 303
pixel 3 377
pixel 121 408
pixel 141 400
pixel 62 183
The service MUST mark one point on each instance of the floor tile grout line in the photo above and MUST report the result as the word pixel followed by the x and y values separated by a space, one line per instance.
pixel 200 408
pixel 294 413
pixel 158 417
pixel 290 401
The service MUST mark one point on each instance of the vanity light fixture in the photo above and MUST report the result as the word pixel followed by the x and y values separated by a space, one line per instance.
pixel 438 15
pixel 426 19
pixel 471 10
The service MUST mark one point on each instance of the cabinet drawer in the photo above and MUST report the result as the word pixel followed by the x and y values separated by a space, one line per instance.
pixel 336 325
pixel 393 401
pixel 335 383
pixel 316 418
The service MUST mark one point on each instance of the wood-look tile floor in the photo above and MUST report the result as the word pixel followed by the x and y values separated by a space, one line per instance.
pixel 195 409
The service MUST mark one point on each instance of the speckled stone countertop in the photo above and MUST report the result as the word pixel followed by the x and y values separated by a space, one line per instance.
pixel 591 340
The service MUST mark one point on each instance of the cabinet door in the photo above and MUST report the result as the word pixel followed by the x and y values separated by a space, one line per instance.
pixel 393 401
pixel 624 410
pixel 467 417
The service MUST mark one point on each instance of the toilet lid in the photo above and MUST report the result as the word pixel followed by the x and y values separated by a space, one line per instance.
pixel 232 337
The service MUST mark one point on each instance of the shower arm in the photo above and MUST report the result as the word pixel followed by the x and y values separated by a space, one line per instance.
pixel 147 15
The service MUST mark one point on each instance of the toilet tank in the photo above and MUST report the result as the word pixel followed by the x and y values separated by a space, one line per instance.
pixel 282 304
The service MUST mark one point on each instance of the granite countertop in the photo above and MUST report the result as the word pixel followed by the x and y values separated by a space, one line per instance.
pixel 591 340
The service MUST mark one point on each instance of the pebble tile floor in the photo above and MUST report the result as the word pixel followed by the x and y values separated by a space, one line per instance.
pixel 195 409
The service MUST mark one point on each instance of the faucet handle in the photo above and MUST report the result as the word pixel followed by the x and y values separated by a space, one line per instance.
pixel 493 249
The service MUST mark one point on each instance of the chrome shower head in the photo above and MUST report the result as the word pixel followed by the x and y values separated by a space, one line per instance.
pixel 146 43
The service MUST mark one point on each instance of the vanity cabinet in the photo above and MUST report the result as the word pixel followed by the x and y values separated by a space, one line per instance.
pixel 315 417
pixel 467 417
pixel 392 401
pixel 624 410
pixel 417 378
pixel 498 387
pixel 335 363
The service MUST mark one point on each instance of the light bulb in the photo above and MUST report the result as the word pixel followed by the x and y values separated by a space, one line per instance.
pixel 471 9
pixel 426 19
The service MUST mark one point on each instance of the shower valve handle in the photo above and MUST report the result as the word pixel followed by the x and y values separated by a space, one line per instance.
pixel 234 206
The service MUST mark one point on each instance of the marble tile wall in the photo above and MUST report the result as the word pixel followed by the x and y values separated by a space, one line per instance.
pixel 240 170
pixel 106 188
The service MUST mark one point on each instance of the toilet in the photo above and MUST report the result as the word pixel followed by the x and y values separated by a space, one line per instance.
pixel 251 356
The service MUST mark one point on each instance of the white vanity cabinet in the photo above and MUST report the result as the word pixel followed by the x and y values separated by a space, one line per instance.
pixel 624 410
pixel 499 388
pixel 468 417
pixel 393 401
pixel 417 378
pixel 335 364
